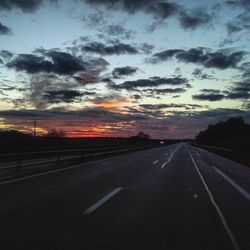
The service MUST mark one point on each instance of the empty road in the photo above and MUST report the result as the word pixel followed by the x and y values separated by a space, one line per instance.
pixel 173 197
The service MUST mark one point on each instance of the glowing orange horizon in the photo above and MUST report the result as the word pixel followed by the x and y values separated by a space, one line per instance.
pixel 86 135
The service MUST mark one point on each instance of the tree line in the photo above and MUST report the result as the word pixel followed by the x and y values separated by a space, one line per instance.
pixel 233 128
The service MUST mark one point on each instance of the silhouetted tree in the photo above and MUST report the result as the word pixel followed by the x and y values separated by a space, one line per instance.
pixel 232 128
pixel 142 135
pixel 54 133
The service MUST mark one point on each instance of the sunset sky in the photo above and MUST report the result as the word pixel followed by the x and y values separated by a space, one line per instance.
pixel 114 68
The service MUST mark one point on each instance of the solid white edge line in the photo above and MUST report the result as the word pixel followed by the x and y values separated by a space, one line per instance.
pixel 234 184
pixel 102 201
pixel 155 161
pixel 39 174
pixel 223 220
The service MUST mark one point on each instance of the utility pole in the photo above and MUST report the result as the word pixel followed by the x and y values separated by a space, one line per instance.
pixel 34 128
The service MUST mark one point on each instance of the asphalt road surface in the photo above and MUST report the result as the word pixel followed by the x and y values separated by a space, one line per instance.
pixel 173 197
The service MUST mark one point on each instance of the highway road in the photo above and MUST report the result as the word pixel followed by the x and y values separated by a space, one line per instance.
pixel 173 197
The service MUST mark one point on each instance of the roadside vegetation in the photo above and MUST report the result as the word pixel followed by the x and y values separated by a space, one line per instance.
pixel 232 134
pixel 14 141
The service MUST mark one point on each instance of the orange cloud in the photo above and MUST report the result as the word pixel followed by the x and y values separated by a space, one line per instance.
pixel 112 104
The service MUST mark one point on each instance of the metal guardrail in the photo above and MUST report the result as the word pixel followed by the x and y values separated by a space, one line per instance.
pixel 59 151
pixel 58 155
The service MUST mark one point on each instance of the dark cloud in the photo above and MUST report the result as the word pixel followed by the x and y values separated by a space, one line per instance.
pixel 110 99
pixel 4 30
pixel 93 72
pixel 218 59
pixel 164 10
pixel 194 18
pixel 44 92
pixel 45 86
pixel 67 96
pixel 89 93
pixel 60 76
pixel 245 68
pixel 240 90
pixel 170 105
pixel 161 10
pixel 210 91
pixel 40 84
pixel 118 30
pixel 96 64
pixel 208 97
pixel 6 87
pixel 241 24
pixel 232 28
pixel 196 55
pixel 151 82
pixel 57 62
pixel 165 55
pixel 24 5
pixel 5 54
pixel 94 19
pixel 218 95
pixel 98 114
pixel 239 3
pixel 155 25
pixel 238 95
pixel 246 105
pixel 211 95
pixel 199 74
pixel 109 47
pixel 128 5
pixel 124 71
pixel 146 48
pixel 65 63
pixel 167 91
pixel 228 41
pixel 107 80
pixel 242 86
pixel 245 3
pixel 20 113
pixel 31 64
pixel 88 78
pixel 137 97
pixel 115 49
